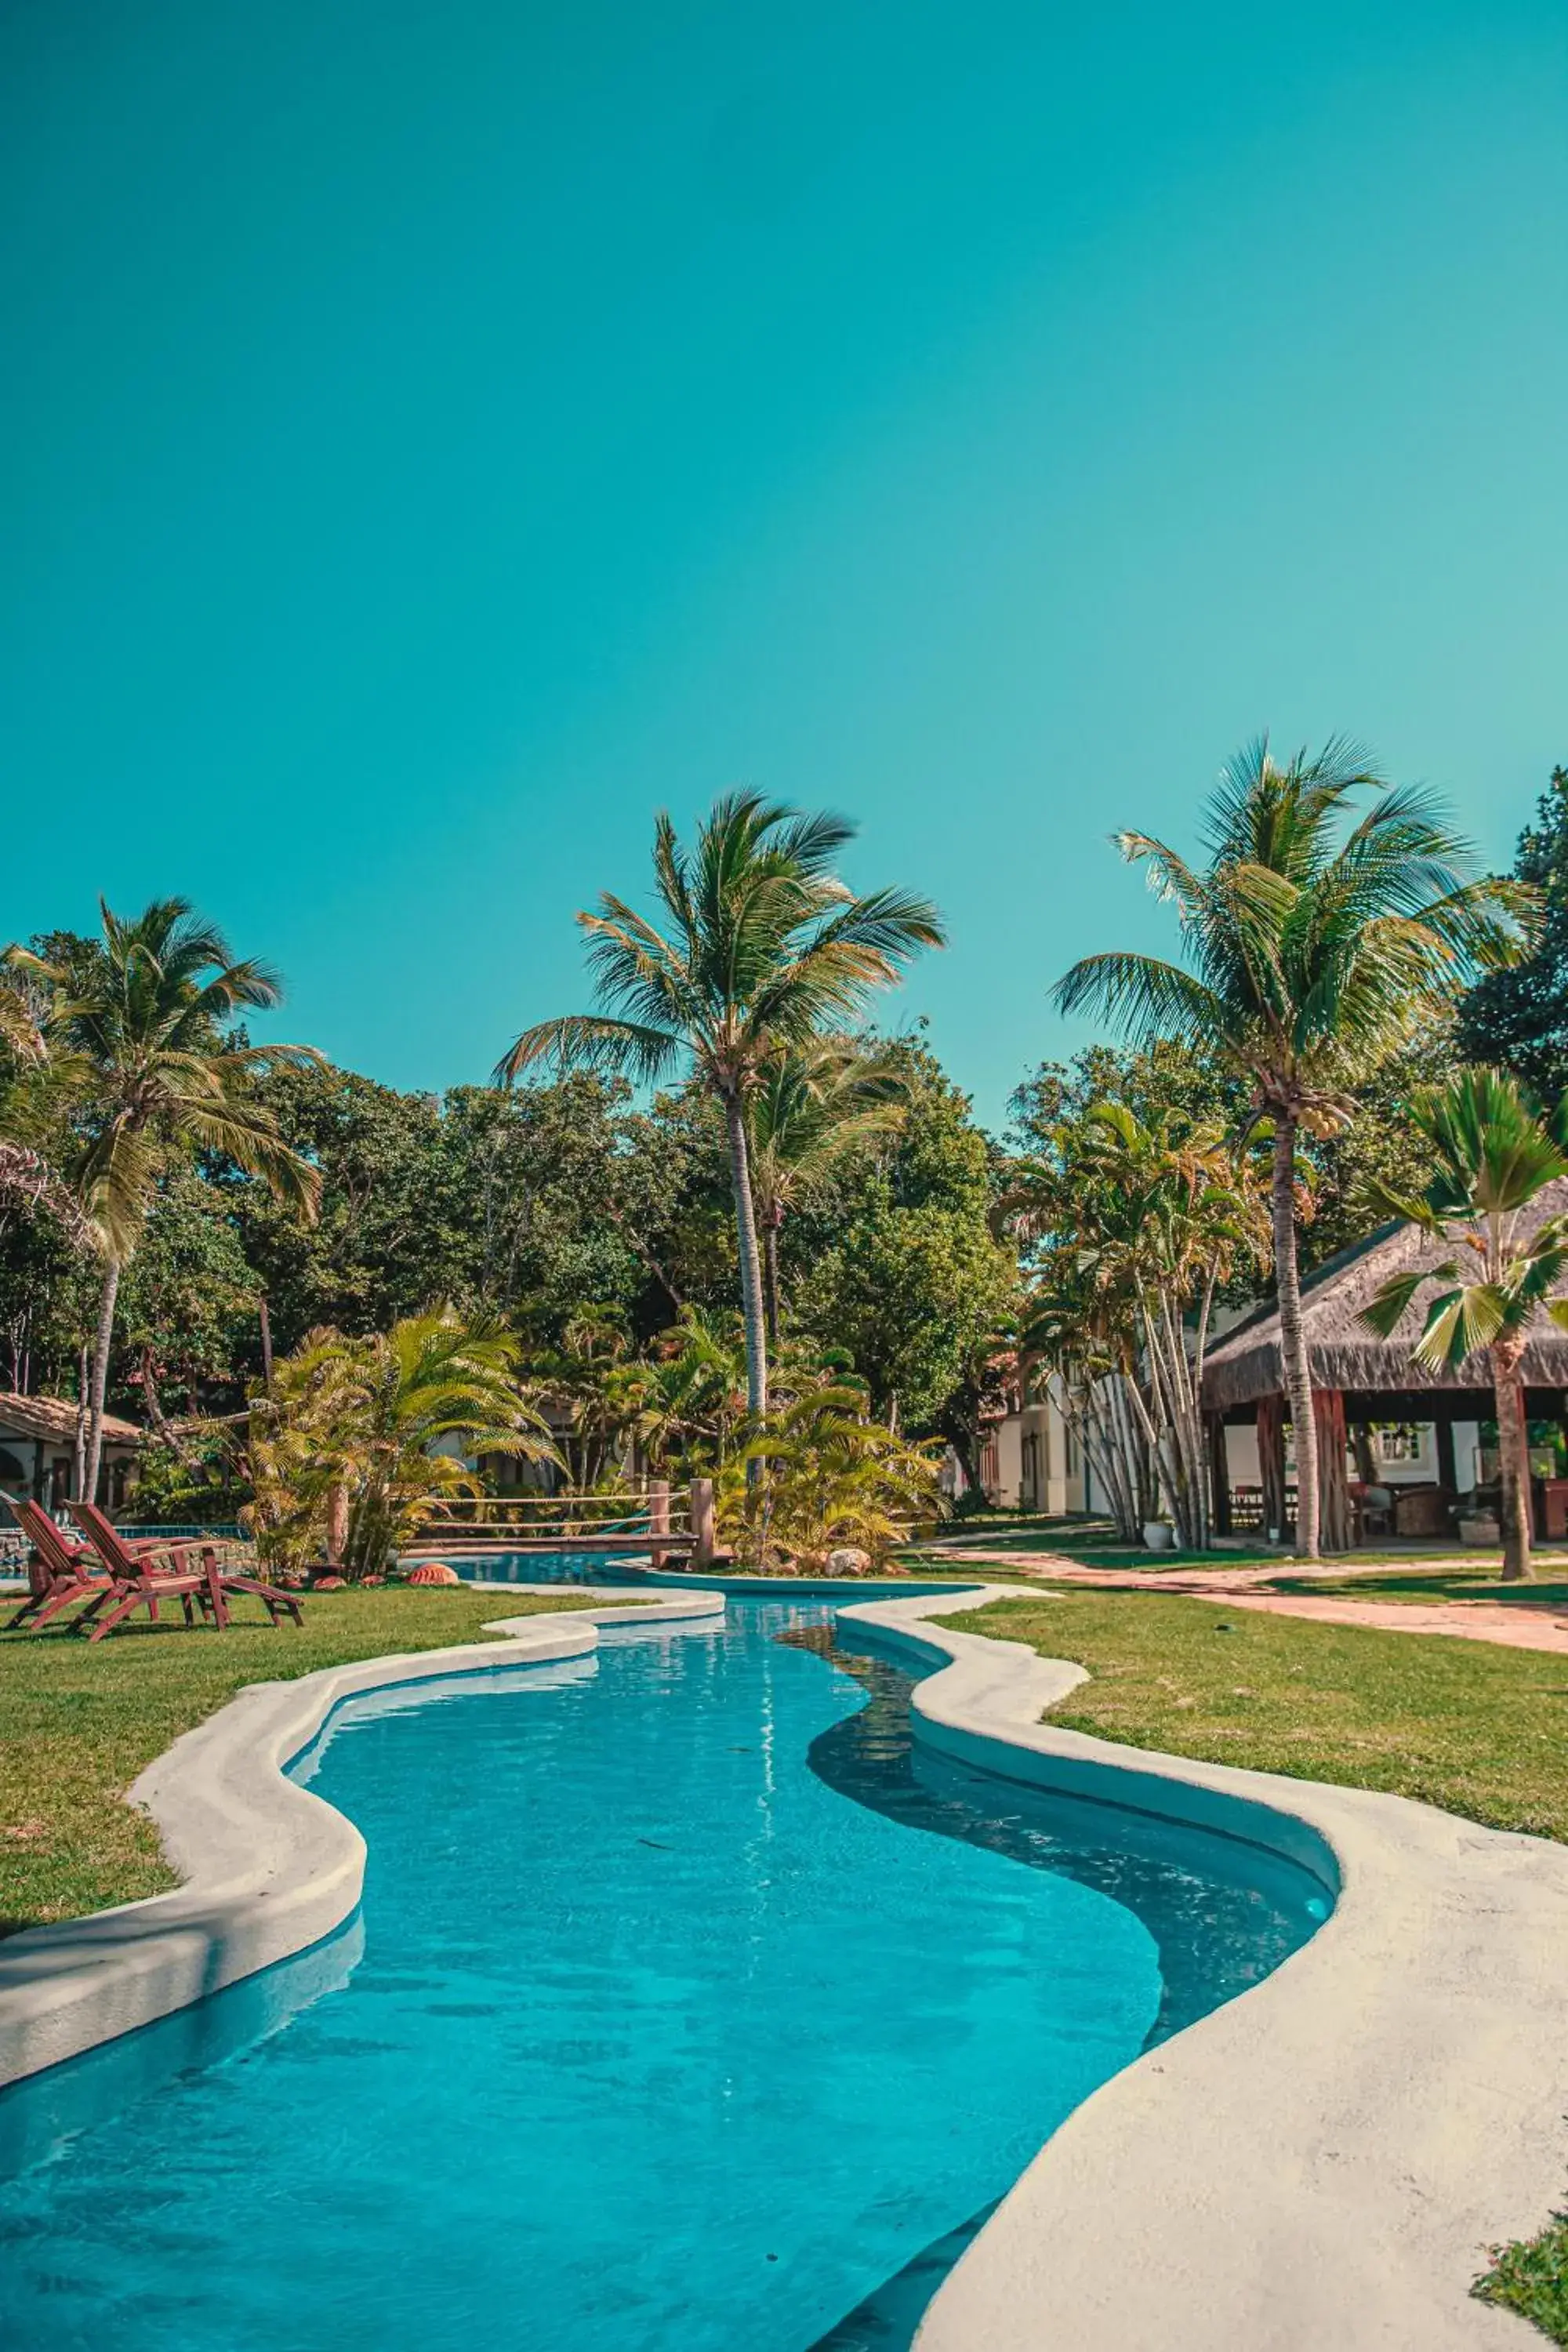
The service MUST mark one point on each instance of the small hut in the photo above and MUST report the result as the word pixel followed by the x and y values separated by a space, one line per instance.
pixel 1361 1383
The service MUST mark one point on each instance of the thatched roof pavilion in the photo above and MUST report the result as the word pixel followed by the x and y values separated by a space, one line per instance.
pixel 1358 1378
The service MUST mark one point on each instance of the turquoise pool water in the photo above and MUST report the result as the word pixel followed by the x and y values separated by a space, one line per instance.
pixel 688 2006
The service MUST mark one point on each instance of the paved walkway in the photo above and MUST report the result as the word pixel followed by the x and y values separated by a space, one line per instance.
pixel 1515 1625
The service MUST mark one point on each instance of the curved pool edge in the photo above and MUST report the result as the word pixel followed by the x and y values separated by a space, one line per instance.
pixel 266 1867
pixel 1326 2159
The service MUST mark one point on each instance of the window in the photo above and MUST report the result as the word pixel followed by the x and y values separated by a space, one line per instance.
pixel 1401 1444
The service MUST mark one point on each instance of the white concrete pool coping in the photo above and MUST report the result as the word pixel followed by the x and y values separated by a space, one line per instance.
pixel 1322 2164
pixel 268 1868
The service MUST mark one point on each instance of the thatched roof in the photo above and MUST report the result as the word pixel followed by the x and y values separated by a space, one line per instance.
pixel 54 1420
pixel 1246 1363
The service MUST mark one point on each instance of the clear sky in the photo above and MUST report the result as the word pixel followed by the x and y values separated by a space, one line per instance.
pixel 437 433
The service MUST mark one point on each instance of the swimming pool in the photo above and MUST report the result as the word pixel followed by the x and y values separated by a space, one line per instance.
pixel 695 2009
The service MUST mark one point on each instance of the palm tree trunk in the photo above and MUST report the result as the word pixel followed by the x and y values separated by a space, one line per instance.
pixel 751 1302
pixel 1513 1458
pixel 337 1524
pixel 101 1377
pixel 1292 1339
pixel 770 1279
pixel 79 1444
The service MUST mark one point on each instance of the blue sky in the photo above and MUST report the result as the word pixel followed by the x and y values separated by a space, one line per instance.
pixel 438 436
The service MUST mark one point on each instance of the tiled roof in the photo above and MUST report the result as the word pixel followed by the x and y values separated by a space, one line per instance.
pixel 54 1420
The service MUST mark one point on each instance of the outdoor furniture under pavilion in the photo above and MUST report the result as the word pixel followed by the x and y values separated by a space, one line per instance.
pixel 1360 1380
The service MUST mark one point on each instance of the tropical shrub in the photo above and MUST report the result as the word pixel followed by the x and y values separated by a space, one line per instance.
pixel 820 1477
pixel 356 1435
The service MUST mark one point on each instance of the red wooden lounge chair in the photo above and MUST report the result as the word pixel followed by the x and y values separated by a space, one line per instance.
pixel 127 1557
pixel 60 1573
pixel 138 1579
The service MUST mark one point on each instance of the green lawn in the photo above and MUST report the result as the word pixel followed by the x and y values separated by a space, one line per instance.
pixel 82 1722
pixel 1418 1580
pixel 1474 1728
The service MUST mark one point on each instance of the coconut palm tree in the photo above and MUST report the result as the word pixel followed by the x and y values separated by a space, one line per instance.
pixel 351 1440
pixel 35 1094
pixel 812 1108
pixel 762 947
pixel 1494 1155
pixel 141 1022
pixel 1306 958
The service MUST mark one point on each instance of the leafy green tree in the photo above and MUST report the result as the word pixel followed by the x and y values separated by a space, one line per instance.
pixel 187 1307
pixel 763 948
pixel 1495 1156
pixel 141 1018
pixel 384 1241
pixel 1518 1018
pixel 897 1265
pixel 1307 960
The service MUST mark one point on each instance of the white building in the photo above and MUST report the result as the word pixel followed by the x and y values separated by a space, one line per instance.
pixel 1032 1462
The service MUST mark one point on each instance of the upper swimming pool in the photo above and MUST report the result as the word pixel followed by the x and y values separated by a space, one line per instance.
pixel 690 2006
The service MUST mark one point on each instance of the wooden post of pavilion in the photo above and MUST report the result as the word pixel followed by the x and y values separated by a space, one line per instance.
pixel 658 1517
pixel 1333 1486
pixel 1271 1464
pixel 1219 1476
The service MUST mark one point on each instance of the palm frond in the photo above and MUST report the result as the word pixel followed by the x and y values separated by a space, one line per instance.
pixel 589 1041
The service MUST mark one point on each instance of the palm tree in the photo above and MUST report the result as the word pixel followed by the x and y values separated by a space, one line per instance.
pixel 1307 960
pixel 763 948
pixel 694 1393
pixel 1494 1158
pixel 35 1092
pixel 140 1020
pixel 830 1476
pixel 813 1107
pixel 349 1443
pixel 597 1386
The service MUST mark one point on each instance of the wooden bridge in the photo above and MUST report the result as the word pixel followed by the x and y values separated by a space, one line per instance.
pixel 669 1523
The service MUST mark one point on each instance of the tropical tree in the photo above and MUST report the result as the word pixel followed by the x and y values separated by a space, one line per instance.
pixel 762 947
pixel 356 1435
pixel 694 1393
pixel 597 1387
pixel 1307 960
pixel 1518 1020
pixel 141 1022
pixel 1495 1156
pixel 1143 1220
pixel 812 1108
pixel 36 1090
pixel 829 1478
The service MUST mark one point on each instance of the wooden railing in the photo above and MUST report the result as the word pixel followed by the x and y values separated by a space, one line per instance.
pixel 668 1522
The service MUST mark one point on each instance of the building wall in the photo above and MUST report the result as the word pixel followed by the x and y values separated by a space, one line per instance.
pixel 1031 1462
pixel 47 1468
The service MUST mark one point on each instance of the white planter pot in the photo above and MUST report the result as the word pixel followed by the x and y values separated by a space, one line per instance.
pixel 1158 1536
